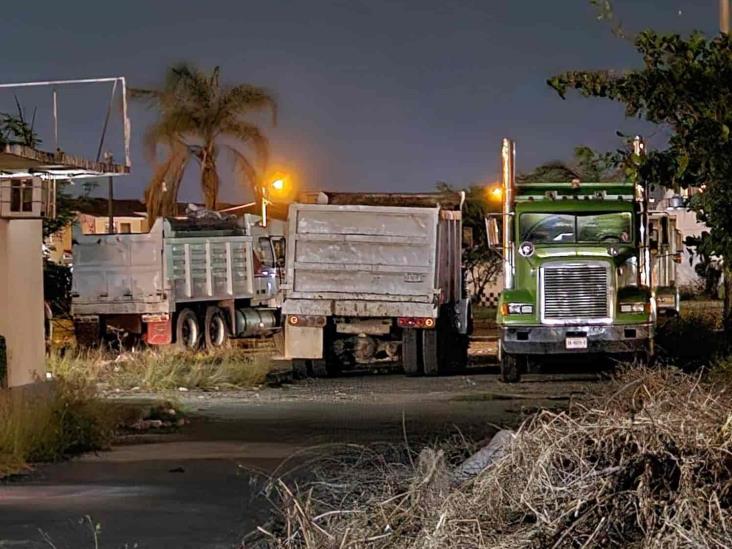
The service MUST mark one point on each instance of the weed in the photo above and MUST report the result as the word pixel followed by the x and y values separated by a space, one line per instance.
pixel 65 420
pixel 166 369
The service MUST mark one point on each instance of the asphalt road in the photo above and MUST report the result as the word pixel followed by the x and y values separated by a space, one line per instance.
pixel 196 489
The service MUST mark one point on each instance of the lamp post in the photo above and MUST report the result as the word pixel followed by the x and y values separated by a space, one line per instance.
pixel 276 183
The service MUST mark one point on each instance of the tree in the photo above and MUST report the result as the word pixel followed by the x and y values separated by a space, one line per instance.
pixel 200 118
pixel 587 165
pixel 15 130
pixel 684 86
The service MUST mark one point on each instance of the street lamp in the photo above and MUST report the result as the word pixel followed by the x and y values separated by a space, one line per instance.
pixel 495 192
pixel 276 183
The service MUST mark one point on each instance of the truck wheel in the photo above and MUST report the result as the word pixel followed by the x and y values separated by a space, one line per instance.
pixel 89 335
pixel 216 329
pixel 319 368
pixel 430 352
pixel 456 354
pixel 510 368
pixel 299 368
pixel 410 352
pixel 187 330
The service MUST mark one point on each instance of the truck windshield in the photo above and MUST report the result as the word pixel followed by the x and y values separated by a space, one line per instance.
pixel 571 228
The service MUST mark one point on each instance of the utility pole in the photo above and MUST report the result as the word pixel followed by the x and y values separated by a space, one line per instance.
pixel 110 196
pixel 724 16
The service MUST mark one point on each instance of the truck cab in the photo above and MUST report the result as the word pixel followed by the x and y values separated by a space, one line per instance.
pixel 576 271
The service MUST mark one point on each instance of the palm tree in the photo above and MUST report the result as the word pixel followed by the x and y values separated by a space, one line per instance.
pixel 201 119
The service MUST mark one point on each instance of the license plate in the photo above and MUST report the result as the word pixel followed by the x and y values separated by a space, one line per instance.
pixel 576 343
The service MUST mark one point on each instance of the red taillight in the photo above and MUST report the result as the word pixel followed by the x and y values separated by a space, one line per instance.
pixel 415 322
pixel 316 321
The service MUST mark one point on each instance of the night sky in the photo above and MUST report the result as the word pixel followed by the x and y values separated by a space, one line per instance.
pixel 374 95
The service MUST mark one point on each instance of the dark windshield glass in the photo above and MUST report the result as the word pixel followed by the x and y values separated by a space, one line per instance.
pixel 563 228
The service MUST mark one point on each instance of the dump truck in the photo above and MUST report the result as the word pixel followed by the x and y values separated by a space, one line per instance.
pixel 577 270
pixel 192 282
pixel 667 246
pixel 375 280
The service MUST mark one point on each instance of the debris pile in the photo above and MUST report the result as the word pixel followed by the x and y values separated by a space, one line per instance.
pixel 647 465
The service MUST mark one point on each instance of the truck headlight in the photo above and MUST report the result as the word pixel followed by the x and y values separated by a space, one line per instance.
pixel 634 307
pixel 518 309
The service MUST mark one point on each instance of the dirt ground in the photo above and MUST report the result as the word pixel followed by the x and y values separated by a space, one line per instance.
pixel 197 488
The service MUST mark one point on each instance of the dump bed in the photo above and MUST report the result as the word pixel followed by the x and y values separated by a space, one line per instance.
pixel 355 252
pixel 152 272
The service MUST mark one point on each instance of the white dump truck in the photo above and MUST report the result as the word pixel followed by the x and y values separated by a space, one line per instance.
pixel 374 279
pixel 192 282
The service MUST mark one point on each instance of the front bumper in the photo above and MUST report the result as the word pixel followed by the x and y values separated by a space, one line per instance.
pixel 535 340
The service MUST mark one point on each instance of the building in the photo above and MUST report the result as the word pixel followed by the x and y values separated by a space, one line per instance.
pixel 130 216
pixel 28 180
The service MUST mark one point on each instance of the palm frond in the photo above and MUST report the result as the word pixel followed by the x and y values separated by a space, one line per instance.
pixel 161 193
pixel 247 174
pixel 251 135
pixel 197 113
pixel 246 98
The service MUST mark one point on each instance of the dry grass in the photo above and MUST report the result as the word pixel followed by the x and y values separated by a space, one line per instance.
pixel 648 465
pixel 161 370
pixel 69 421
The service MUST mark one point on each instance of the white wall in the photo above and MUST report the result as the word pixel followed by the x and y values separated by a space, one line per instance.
pixel 21 299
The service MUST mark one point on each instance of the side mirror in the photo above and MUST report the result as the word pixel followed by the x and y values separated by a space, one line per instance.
pixel 492 233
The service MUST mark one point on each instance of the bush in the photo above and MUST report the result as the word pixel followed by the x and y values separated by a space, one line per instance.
pixel 692 340
pixel 49 427
pixel 646 466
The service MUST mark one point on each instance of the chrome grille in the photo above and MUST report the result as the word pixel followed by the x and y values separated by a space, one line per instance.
pixel 576 291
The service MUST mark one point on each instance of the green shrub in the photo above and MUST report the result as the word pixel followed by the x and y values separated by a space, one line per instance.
pixel 39 427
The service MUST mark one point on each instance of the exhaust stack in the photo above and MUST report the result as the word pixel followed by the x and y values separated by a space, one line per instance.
pixel 645 267
pixel 508 159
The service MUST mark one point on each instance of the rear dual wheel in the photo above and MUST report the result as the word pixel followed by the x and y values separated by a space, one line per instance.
pixel 410 352
pixel 433 352
pixel 189 333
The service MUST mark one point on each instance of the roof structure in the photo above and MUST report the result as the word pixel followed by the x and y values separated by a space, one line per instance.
pixel 17 161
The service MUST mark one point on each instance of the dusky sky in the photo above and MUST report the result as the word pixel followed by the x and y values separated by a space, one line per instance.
pixel 377 95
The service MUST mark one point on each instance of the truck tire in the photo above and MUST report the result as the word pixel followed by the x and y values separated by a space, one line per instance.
pixel 510 368
pixel 299 368
pixel 430 352
pixel 410 352
pixel 456 353
pixel 215 328
pixel 187 330
pixel 319 368
pixel 89 335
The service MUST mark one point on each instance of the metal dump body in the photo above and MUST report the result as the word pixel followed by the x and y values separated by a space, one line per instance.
pixel 365 260
pixel 176 262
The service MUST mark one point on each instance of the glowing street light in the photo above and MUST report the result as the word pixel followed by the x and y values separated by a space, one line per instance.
pixel 276 183
pixel 495 193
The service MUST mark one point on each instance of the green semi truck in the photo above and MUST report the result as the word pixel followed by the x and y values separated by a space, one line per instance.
pixel 577 270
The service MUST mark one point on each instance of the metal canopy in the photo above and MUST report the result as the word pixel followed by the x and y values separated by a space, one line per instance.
pixel 19 161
